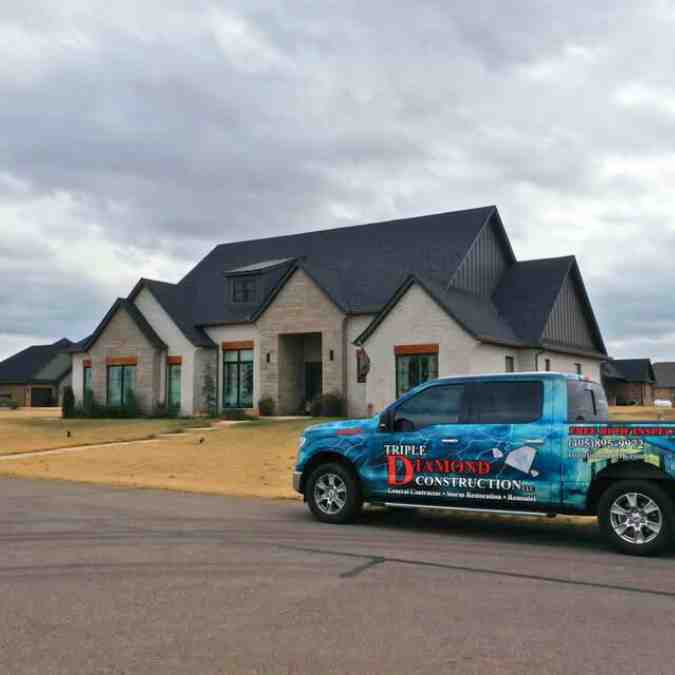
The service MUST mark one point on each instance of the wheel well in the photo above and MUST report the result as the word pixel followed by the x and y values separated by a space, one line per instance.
pixel 631 470
pixel 322 458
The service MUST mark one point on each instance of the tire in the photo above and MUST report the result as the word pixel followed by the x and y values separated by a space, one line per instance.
pixel 636 517
pixel 338 507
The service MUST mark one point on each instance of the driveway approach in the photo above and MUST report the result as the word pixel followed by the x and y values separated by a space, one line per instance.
pixel 103 580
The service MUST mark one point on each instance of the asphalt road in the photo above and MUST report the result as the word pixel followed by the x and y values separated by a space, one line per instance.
pixel 104 580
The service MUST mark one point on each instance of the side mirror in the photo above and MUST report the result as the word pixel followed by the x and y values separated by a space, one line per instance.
pixel 385 422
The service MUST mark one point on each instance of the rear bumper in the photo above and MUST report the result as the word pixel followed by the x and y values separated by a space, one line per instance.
pixel 297 475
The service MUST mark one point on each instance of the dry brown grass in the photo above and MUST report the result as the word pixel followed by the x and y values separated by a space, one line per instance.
pixel 628 413
pixel 249 459
pixel 28 429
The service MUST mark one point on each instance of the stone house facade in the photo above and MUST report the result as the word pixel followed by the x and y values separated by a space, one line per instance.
pixel 364 312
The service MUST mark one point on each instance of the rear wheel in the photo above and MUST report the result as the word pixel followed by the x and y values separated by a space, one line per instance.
pixel 333 493
pixel 636 517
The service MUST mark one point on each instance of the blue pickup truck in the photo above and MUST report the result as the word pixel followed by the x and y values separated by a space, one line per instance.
pixel 536 444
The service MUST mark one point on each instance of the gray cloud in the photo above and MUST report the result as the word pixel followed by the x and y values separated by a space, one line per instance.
pixel 136 137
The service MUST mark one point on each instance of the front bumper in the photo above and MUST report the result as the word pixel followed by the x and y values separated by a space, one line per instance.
pixel 297 475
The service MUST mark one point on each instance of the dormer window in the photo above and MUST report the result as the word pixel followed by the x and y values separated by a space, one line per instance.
pixel 244 289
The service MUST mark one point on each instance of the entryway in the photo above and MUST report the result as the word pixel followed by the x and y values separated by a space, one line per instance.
pixel 300 372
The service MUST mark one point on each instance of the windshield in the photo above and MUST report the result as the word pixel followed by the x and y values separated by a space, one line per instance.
pixel 586 402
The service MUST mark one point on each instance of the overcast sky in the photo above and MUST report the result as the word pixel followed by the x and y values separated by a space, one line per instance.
pixel 134 136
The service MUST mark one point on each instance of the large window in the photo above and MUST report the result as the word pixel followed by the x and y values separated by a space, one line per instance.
pixel 173 375
pixel 87 383
pixel 506 402
pixel 414 369
pixel 441 404
pixel 243 289
pixel 238 378
pixel 121 384
pixel 586 402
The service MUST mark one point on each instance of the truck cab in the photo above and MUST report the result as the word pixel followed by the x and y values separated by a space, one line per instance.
pixel 533 444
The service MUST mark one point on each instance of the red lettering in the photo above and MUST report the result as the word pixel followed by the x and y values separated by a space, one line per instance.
pixel 391 470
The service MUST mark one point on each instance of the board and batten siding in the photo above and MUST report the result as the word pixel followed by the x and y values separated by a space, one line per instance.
pixel 484 264
pixel 568 323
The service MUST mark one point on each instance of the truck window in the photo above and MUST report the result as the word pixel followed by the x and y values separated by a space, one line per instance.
pixel 586 402
pixel 506 402
pixel 441 404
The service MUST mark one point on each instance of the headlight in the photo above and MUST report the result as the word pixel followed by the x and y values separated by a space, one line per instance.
pixel 303 440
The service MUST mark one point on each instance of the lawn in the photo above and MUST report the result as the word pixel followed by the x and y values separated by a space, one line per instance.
pixel 29 429
pixel 626 413
pixel 248 459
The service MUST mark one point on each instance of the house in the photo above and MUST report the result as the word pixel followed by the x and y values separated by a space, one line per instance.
pixel 366 312
pixel 664 387
pixel 36 376
pixel 629 381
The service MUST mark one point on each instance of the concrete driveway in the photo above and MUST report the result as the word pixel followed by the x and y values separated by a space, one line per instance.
pixel 103 580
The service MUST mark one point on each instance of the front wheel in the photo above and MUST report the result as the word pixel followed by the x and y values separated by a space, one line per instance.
pixel 333 494
pixel 636 517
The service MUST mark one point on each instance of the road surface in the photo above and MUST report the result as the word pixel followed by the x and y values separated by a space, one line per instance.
pixel 106 580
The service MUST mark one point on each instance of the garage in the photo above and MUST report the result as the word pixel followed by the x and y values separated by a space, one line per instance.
pixel 41 396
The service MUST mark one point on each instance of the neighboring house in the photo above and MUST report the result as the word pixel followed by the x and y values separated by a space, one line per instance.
pixel 629 381
pixel 367 312
pixel 36 376
pixel 665 380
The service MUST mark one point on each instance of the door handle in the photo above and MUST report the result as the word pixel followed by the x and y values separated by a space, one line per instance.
pixel 450 440
pixel 534 441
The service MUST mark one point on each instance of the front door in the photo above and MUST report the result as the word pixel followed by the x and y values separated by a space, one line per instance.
pixel 313 380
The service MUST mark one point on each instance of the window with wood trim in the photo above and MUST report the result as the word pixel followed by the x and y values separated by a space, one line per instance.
pixel 87 382
pixel 413 369
pixel 121 385
pixel 238 378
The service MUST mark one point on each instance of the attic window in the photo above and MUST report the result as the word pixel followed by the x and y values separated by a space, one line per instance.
pixel 244 289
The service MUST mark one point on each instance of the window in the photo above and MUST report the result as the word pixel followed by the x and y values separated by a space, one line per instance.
pixel 441 404
pixel 243 289
pixel 547 364
pixel 509 364
pixel 238 378
pixel 578 368
pixel 121 384
pixel 506 402
pixel 414 369
pixel 87 384
pixel 173 374
pixel 586 402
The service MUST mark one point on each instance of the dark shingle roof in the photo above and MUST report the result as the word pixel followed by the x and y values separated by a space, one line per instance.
pixel 173 301
pixel 665 373
pixel 477 315
pixel 630 370
pixel 359 267
pixel 25 366
pixel 137 318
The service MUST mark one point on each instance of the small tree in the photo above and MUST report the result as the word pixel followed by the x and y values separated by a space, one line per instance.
pixel 68 408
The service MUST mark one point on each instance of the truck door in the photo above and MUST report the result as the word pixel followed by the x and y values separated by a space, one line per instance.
pixel 513 432
pixel 410 460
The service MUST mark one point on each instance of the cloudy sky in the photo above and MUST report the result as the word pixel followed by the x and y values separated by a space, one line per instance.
pixel 137 135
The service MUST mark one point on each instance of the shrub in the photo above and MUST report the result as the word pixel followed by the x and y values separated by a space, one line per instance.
pixel 327 405
pixel 266 407
pixel 68 408
pixel 8 403
pixel 235 414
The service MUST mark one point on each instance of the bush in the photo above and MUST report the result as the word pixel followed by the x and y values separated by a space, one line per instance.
pixel 235 414
pixel 68 408
pixel 327 405
pixel 8 403
pixel 266 407
pixel 163 410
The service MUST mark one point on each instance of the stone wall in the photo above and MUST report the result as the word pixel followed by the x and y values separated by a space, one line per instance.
pixel 300 307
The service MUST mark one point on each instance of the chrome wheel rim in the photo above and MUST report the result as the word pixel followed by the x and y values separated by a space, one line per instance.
pixel 330 493
pixel 636 518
